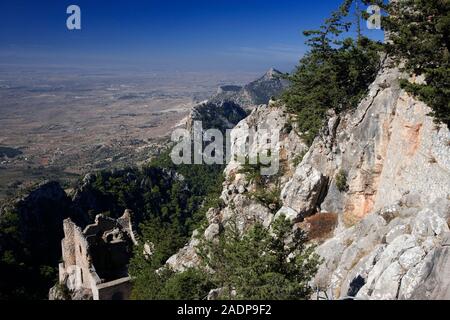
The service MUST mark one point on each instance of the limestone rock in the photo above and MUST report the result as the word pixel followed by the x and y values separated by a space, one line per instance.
pixel 429 223
pixel 289 213
pixel 185 258
pixel 303 191
pixel 436 285
pixel 414 277
pixel 57 293
pixel 396 231
pixel 212 231
pixel 238 204
pixel 411 258
pixel 149 249
pixel 255 93
pixel 387 286
pixel 215 294
pixel 391 241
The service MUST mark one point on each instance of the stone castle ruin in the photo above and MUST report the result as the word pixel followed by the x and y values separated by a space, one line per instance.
pixel 95 260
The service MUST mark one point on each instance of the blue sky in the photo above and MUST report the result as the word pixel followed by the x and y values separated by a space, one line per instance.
pixel 192 35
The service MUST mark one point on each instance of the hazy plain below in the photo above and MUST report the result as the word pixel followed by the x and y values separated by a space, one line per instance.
pixel 61 123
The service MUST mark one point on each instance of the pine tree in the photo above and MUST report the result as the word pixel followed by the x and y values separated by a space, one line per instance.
pixel 262 264
pixel 334 74
pixel 419 36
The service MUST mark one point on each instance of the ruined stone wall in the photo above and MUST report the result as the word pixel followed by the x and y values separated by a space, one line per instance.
pixel 106 243
pixel 119 289
pixel 68 243
pixel 76 270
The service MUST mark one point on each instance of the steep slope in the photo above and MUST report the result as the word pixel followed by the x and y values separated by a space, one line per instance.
pixel 384 170
pixel 221 115
pixel 232 103
pixel 244 199
pixel 393 217
pixel 397 163
pixel 254 93
pixel 30 237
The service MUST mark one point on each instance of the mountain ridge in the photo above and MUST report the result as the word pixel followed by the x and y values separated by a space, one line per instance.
pixel 391 238
pixel 231 103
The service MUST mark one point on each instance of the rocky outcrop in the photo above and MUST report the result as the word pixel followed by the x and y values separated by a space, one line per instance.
pixel 186 257
pixel 395 213
pixel 391 238
pixel 231 103
pixel 303 192
pixel 396 209
pixel 41 213
pixel 238 195
pixel 388 251
pixel 436 274
pixel 255 93
pixel 266 123
pixel 221 115
pixel 388 148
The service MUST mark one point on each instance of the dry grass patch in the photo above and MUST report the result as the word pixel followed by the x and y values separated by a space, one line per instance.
pixel 321 226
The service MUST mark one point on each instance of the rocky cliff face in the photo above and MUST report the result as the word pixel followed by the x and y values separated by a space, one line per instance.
pixel 232 103
pixel 30 240
pixel 221 115
pixel 239 195
pixel 392 201
pixel 40 214
pixel 257 92
pixel 394 216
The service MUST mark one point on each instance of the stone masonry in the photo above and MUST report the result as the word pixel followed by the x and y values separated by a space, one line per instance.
pixel 95 260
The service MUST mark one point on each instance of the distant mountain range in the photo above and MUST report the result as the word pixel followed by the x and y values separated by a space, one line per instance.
pixel 233 103
pixel 255 93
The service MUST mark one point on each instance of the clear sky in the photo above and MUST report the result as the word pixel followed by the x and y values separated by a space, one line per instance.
pixel 191 35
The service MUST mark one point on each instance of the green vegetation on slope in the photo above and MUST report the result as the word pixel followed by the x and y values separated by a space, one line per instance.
pixel 30 242
pixel 334 74
pixel 261 264
pixel 168 203
pixel 336 71
pixel 21 276
pixel 167 236
pixel 257 265
pixel 419 34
